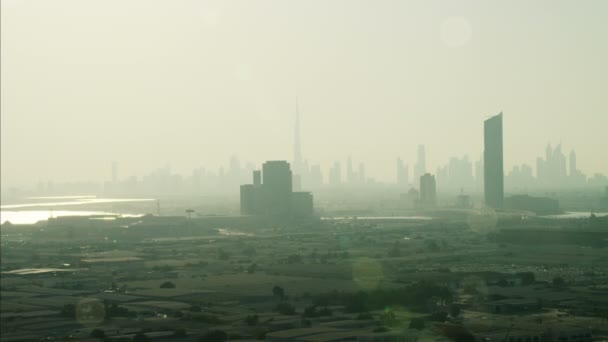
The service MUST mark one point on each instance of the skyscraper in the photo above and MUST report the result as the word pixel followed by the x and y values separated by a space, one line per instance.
pixel 271 194
pixel 277 187
pixel 428 190
pixel 402 173
pixel 248 199
pixel 573 170
pixel 420 168
pixel 552 171
pixel 257 177
pixel 493 162
pixel 297 148
pixel 335 174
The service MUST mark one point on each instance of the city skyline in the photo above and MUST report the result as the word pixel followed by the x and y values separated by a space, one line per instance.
pixel 458 175
pixel 303 170
pixel 223 80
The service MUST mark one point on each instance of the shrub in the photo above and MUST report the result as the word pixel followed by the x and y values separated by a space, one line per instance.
pixel 167 285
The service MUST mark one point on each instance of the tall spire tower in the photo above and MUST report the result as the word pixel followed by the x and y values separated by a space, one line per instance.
pixel 297 149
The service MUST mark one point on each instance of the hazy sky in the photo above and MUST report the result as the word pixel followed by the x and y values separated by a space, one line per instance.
pixel 190 83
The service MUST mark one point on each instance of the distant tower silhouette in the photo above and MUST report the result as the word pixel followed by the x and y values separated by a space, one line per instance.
pixel 402 173
pixel 420 168
pixel 493 162
pixel 573 170
pixel 428 190
pixel 277 186
pixel 297 148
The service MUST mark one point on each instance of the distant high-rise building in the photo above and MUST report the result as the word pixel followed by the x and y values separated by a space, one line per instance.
pixel 420 168
pixel 493 162
pixel 297 148
pixel 443 176
pixel 520 178
pixel 402 173
pixel 350 174
pixel 301 204
pixel 456 175
pixel 315 177
pixel 257 177
pixel 335 174
pixel 277 186
pixel 428 190
pixel 556 171
pixel 252 196
pixel 362 172
pixel 271 193
pixel 572 163
pixel 248 199
pixel 296 182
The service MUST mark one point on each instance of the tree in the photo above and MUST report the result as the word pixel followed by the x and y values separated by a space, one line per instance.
pixel 214 336
pixel 526 278
pixel 167 285
pixel 279 292
pixel 285 308
pixel 432 245
pixel 388 317
pixel 252 320
pixel 454 310
pixel 559 282
pixel 310 311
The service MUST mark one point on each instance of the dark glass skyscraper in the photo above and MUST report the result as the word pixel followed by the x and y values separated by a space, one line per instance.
pixel 277 187
pixel 493 162
pixel 271 194
pixel 428 190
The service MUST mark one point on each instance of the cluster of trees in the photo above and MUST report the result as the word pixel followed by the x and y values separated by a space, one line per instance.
pixel 278 292
pixel 285 308
pixel 415 296
pixel 252 320
pixel 167 285
pixel 106 310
